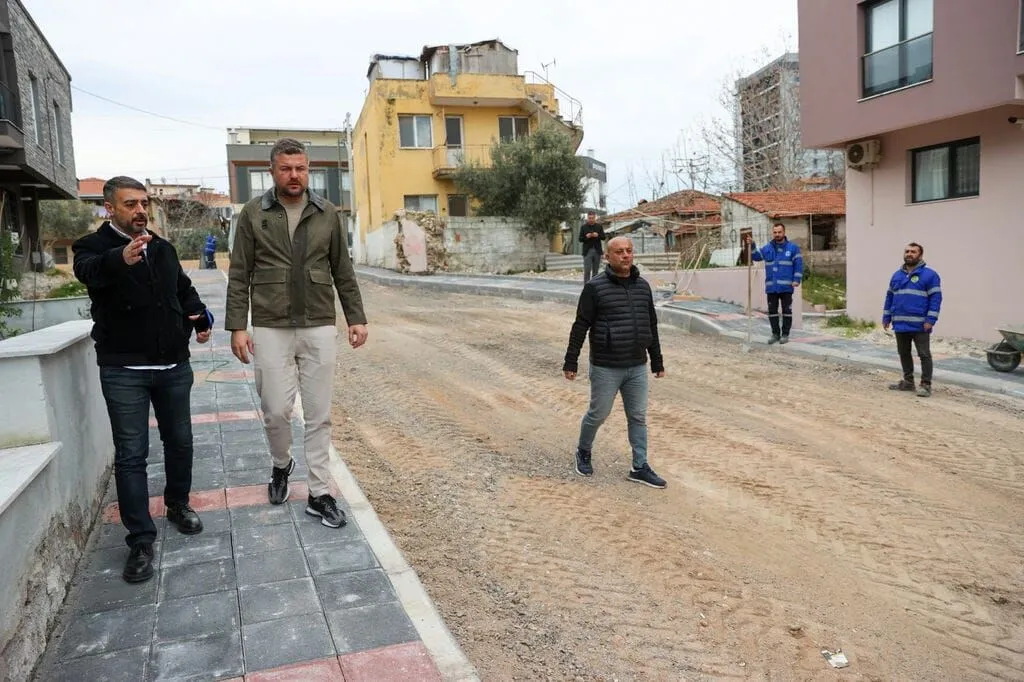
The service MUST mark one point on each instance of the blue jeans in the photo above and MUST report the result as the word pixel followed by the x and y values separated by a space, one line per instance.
pixel 128 393
pixel 605 383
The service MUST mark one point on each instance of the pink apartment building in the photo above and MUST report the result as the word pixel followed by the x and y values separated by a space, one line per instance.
pixel 933 90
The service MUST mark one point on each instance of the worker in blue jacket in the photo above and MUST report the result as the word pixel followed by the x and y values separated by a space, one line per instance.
pixel 209 249
pixel 912 306
pixel 783 272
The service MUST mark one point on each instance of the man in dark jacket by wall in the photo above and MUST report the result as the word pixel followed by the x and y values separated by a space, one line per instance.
pixel 617 308
pixel 144 310
pixel 592 238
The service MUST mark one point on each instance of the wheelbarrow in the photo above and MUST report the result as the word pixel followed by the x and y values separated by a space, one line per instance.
pixel 1005 355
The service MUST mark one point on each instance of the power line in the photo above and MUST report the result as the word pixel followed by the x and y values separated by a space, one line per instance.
pixel 143 111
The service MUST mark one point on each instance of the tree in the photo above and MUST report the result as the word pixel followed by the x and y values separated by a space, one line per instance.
pixel 537 179
pixel 64 219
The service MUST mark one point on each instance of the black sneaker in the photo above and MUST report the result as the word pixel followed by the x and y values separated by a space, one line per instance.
pixel 277 489
pixel 583 466
pixel 139 567
pixel 925 391
pixel 774 339
pixel 327 509
pixel 646 475
pixel 185 518
pixel 902 386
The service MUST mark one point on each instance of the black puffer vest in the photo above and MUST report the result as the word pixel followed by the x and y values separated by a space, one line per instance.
pixel 621 333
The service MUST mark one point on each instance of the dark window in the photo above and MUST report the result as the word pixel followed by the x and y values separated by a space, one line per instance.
pixel 898 45
pixel 458 205
pixel 60 255
pixel 512 128
pixel 946 171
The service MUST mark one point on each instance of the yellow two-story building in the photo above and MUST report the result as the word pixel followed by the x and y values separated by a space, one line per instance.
pixel 424 116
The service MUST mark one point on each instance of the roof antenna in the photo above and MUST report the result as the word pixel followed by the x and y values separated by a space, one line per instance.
pixel 544 66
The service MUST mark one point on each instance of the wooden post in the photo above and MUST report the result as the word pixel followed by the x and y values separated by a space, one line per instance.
pixel 750 286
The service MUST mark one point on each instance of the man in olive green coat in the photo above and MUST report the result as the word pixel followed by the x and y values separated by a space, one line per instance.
pixel 289 256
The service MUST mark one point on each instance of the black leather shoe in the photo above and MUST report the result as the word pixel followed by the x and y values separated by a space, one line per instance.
pixel 139 567
pixel 185 518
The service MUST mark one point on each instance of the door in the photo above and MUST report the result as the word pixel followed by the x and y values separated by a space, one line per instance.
pixel 453 140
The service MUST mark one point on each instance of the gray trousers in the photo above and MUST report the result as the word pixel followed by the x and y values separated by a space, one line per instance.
pixel 591 264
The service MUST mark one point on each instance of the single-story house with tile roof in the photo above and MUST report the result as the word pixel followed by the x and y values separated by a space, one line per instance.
pixel 681 218
pixel 816 220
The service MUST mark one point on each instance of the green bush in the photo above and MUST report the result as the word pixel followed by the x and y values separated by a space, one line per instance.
pixel 844 320
pixel 68 289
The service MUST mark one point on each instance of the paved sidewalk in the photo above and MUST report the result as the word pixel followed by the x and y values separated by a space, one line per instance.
pixel 264 592
pixel 718 319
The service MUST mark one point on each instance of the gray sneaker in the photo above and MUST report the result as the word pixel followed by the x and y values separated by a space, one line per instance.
pixel 925 391
pixel 784 339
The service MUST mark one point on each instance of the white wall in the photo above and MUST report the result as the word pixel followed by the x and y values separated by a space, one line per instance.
pixel 498 245
pixel 48 312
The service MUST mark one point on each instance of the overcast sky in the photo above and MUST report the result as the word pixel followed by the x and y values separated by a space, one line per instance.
pixel 644 70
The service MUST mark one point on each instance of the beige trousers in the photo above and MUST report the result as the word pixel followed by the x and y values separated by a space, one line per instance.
pixel 290 361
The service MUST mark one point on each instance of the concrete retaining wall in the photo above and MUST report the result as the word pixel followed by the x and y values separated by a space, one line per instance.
pixel 55 464
pixel 48 312
pixel 499 245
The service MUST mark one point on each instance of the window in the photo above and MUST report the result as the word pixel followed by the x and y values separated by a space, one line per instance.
pixel 946 171
pixel 898 45
pixel 60 255
pixel 1020 28
pixel 425 203
pixel 318 181
pixel 458 205
pixel 58 133
pixel 512 128
pixel 259 182
pixel 414 132
pixel 36 106
pixel 346 181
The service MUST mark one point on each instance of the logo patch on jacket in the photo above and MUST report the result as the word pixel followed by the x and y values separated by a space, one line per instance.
pixel 915 279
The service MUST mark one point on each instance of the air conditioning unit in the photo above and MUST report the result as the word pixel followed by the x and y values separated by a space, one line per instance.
pixel 861 154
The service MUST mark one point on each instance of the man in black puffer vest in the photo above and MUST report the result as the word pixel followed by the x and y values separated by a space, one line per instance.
pixel 617 308
pixel 144 310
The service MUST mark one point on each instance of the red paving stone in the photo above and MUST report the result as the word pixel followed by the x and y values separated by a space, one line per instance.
pixel 325 670
pixel 207 500
pixel 251 495
pixel 401 663
pixel 112 514
pixel 218 417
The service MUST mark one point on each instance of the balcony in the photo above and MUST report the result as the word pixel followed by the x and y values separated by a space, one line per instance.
pixel 448 159
pixel 899 66
pixel 477 90
pixel 11 135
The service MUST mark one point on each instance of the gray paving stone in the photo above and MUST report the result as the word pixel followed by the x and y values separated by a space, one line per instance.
pixel 351 590
pixel 214 480
pixel 370 627
pixel 110 561
pixel 204 439
pixel 212 465
pixel 128 665
pixel 276 643
pixel 192 579
pixel 261 539
pixel 235 479
pixel 273 601
pixel 110 591
pixel 109 536
pixel 99 633
pixel 206 451
pixel 214 521
pixel 210 658
pixel 312 532
pixel 270 567
pixel 248 461
pixel 247 425
pixel 198 616
pixel 195 549
pixel 259 515
pixel 340 557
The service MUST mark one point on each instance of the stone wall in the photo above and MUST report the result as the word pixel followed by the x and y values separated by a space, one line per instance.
pixel 492 244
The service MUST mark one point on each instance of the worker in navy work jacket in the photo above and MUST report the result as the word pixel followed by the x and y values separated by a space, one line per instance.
pixel 912 306
pixel 783 272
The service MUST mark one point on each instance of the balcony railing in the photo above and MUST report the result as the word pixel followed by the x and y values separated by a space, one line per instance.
pixel 9 106
pixel 895 67
pixel 448 159
pixel 570 109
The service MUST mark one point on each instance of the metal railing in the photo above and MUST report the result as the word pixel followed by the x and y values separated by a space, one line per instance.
pixel 9 106
pixel 569 108
pixel 448 159
pixel 898 66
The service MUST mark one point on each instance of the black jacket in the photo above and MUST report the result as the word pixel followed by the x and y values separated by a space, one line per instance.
pixel 590 243
pixel 140 312
pixel 619 313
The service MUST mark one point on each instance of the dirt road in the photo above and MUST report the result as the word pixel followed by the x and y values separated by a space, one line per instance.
pixel 808 507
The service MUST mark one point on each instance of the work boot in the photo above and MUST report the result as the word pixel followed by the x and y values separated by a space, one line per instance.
pixel 925 391
pixel 583 465
pixel 903 385
pixel 185 518
pixel 277 489
pixel 139 567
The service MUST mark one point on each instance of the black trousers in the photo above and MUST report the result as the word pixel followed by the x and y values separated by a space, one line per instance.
pixel 922 340
pixel 787 313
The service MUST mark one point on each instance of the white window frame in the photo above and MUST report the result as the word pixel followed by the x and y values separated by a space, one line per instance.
pixel 419 200
pixel 261 172
pixel 902 41
pixel 515 136
pixel 319 172
pixel 417 143
pixel 36 103
pixel 58 134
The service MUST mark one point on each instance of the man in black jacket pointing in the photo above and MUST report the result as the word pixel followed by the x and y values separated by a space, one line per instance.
pixel 617 308
pixel 144 310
